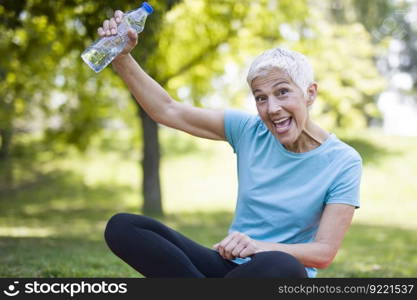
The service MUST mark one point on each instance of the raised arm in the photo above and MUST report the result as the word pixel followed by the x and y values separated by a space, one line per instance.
pixel 205 123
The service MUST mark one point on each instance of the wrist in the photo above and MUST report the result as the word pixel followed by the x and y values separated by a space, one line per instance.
pixel 259 246
pixel 121 59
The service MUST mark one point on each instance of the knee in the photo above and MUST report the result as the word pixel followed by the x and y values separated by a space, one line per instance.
pixel 282 264
pixel 116 226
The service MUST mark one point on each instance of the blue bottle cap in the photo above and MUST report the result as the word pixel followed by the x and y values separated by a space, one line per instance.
pixel 147 7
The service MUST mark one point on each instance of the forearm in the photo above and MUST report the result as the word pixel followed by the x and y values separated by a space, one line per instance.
pixel 316 255
pixel 147 92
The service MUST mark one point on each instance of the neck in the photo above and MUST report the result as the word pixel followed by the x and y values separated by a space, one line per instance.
pixel 310 138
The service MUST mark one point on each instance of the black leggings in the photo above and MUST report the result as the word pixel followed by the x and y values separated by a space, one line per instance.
pixel 155 250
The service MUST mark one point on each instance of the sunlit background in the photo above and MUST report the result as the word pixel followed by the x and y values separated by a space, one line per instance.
pixel 72 141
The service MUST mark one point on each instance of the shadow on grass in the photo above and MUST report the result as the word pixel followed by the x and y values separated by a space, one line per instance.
pixel 367 251
pixel 59 257
pixel 61 203
pixel 371 152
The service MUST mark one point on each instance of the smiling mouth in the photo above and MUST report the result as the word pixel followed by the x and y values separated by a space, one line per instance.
pixel 283 125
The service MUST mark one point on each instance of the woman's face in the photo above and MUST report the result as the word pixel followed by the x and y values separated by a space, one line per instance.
pixel 282 105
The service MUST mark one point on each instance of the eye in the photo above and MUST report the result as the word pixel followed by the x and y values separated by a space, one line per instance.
pixel 259 98
pixel 283 91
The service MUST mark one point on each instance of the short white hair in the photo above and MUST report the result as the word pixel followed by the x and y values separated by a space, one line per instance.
pixel 291 62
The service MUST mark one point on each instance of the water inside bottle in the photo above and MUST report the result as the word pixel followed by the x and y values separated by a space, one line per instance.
pixel 103 51
pixel 99 55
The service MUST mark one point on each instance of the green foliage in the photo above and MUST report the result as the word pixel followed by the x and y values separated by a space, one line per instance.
pixel 49 93
pixel 198 38
pixel 387 21
pixel 46 87
pixel 51 99
pixel 34 44
pixel 348 79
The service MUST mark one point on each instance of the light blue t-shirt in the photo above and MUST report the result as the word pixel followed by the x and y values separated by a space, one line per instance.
pixel 282 194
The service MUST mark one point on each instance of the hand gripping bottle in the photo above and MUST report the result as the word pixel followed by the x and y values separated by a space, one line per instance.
pixel 104 50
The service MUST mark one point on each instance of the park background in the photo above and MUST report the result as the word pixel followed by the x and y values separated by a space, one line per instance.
pixel 76 149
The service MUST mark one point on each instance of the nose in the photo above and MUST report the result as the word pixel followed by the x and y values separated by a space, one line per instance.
pixel 274 106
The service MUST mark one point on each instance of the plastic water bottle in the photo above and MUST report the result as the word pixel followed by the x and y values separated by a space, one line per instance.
pixel 104 50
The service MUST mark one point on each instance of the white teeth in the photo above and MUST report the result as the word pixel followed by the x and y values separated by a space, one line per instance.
pixel 281 120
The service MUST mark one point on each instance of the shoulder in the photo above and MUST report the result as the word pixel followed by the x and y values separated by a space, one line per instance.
pixel 239 116
pixel 346 172
pixel 237 124
pixel 343 152
pixel 238 121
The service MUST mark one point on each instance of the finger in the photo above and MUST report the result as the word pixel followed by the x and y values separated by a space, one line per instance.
pixel 247 251
pixel 215 246
pixel 230 247
pixel 100 31
pixel 242 241
pixel 236 240
pixel 222 253
pixel 113 26
pixel 133 36
pixel 118 15
pixel 227 239
pixel 236 251
pixel 224 243
pixel 106 27
pixel 248 248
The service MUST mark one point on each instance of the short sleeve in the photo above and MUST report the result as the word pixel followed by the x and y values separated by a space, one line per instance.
pixel 235 122
pixel 346 187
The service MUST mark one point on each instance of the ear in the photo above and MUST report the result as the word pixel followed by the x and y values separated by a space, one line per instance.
pixel 311 93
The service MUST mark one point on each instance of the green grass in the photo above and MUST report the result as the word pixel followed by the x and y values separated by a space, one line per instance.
pixel 52 219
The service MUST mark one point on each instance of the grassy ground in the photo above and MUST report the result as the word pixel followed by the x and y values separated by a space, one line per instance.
pixel 51 223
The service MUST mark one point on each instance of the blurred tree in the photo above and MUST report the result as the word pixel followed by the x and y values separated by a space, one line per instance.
pixel 185 46
pixel 43 41
pixel 348 79
pixel 343 55
pixel 50 35
pixel 387 21
pixel 402 26
pixel 196 40
pixel 29 49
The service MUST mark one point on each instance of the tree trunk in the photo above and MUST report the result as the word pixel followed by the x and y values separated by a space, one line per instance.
pixel 6 140
pixel 6 167
pixel 152 202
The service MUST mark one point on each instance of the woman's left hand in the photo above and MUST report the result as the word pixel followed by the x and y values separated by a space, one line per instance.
pixel 237 244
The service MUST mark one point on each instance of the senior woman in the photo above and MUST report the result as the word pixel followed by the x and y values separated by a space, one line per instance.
pixel 298 184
